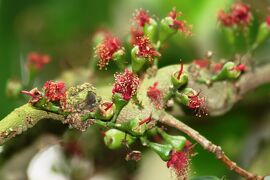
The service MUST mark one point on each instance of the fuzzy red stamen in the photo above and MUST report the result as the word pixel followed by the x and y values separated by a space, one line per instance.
pixel 146 48
pixel 37 61
pixel 239 14
pixel 155 95
pixel 126 84
pixel 142 17
pixel 198 104
pixel 178 24
pixel 105 50
pixel 136 33
pixel 217 67
pixel 179 163
pixel 55 91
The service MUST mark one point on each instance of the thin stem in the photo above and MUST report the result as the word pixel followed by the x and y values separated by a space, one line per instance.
pixel 207 145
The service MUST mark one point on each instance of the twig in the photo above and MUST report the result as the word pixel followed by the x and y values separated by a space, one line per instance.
pixel 169 120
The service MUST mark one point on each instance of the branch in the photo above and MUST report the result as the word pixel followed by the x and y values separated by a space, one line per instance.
pixel 169 120
pixel 22 119
pixel 253 79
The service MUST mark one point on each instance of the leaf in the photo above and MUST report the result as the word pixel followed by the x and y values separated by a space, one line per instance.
pixel 205 178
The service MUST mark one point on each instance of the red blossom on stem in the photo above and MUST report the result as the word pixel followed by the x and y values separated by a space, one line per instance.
pixel 202 63
pixel 37 60
pixel 146 48
pixel 126 84
pixel 106 49
pixel 198 104
pixel 239 14
pixel 268 21
pixel 179 161
pixel 142 17
pixel 178 24
pixel 55 91
pixel 217 67
pixel 155 95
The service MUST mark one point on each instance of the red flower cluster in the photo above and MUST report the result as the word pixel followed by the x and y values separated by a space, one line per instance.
pixel 239 14
pixel 126 84
pixel 37 61
pixel 146 48
pixel 268 20
pixel 155 95
pixel 141 17
pixel 202 63
pixel 106 49
pixel 55 91
pixel 178 24
pixel 198 104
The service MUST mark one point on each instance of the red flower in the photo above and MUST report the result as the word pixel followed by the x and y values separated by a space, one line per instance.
pixel 55 91
pixel 239 14
pixel 37 60
pixel 155 95
pixel 135 33
pixel 142 17
pixel 179 163
pixel 268 20
pixel 146 48
pixel 126 84
pixel 217 67
pixel 178 24
pixel 202 63
pixel 106 50
pixel 198 104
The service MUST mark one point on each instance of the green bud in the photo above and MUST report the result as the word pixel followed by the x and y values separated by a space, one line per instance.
pixel 177 83
pixel 134 127
pixel 114 138
pixel 104 114
pixel 227 73
pixel 182 97
pixel 118 57
pixel 263 34
pixel 137 63
pixel 177 142
pixel 163 150
pixel 151 30
pixel 165 30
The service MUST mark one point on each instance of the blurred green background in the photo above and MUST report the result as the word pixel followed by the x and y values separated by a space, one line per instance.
pixel 63 29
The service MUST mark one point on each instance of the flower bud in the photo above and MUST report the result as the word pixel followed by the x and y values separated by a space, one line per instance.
pixel 151 30
pixel 228 71
pixel 177 142
pixel 105 111
pixel 177 83
pixel 115 139
pixel 165 30
pixel 163 150
pixel 135 127
pixel 13 88
pixel 263 34
pixel 136 61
